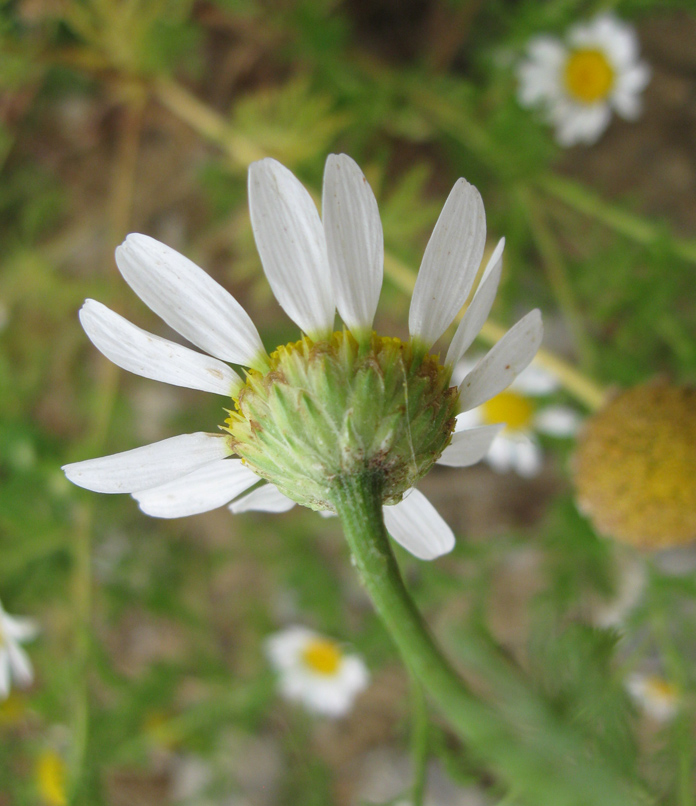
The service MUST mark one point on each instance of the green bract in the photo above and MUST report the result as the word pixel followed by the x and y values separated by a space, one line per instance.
pixel 337 408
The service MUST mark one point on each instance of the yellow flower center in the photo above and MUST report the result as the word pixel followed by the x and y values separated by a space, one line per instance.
pixel 50 777
pixel 510 408
pixel 322 656
pixel 635 466
pixel 660 689
pixel 588 75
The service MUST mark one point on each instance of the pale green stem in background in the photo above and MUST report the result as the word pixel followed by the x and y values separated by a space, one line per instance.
pixel 517 734
pixel 419 742
pixel 556 272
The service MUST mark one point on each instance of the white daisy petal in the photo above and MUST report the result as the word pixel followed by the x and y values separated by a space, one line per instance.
pixel 20 665
pixel 557 421
pixel 143 353
pixel 4 673
pixel 291 243
pixel 418 527
pixel 189 300
pixel 354 241
pixel 449 265
pixel 528 459
pixel 469 446
pixel 535 381
pixel 148 466
pixel 266 499
pixel 19 629
pixel 503 362
pixel 208 487
pixel 501 455
pixel 477 312
pixel 468 419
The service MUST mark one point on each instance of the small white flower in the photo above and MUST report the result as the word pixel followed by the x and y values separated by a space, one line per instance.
pixel 580 81
pixel 314 670
pixel 314 267
pixel 657 697
pixel 516 447
pixel 14 663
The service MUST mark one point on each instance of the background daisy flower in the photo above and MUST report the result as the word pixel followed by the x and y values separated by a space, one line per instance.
pixel 516 447
pixel 314 671
pixel 14 662
pixel 579 81
pixel 314 267
pixel 657 697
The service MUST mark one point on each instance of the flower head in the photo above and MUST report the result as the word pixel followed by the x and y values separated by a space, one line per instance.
pixel 333 404
pixel 657 697
pixel 516 447
pixel 315 671
pixel 14 663
pixel 635 467
pixel 579 81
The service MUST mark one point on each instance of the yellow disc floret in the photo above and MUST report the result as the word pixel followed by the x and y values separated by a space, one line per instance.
pixel 510 408
pixel 332 409
pixel 635 467
pixel 322 656
pixel 588 76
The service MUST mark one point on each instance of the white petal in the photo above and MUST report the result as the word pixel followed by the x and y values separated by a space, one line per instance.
pixel 418 527
pixel 291 243
pixel 153 357
pixel 189 300
pixel 469 446
pixel 354 241
pixel 557 421
pixel 468 419
pixel 20 665
pixel 477 313
pixel 450 263
pixel 149 466
pixel 501 455
pixel 18 629
pixel 205 488
pixel 536 381
pixel 4 673
pixel 503 362
pixel 266 499
pixel 528 459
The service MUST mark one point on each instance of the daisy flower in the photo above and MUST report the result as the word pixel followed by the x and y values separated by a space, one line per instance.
pixel 657 697
pixel 14 663
pixel 335 404
pixel 314 670
pixel 516 447
pixel 580 81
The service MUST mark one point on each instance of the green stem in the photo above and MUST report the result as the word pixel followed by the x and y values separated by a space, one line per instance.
pixel 527 746
pixel 419 742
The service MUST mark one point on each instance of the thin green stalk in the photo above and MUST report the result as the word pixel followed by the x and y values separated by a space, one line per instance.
pixel 556 273
pixel 529 749
pixel 637 228
pixel 419 742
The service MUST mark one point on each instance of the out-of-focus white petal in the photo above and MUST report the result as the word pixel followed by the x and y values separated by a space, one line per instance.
pixel 266 499
pixel 557 421
pixel 208 487
pixel 535 381
pixel 451 260
pixel 354 241
pixel 149 466
pixel 503 362
pixel 477 312
pixel 501 455
pixel 143 353
pixel 20 665
pixel 4 673
pixel 189 300
pixel 528 459
pixel 291 243
pixel 19 629
pixel 418 527
pixel 469 446
pixel 468 419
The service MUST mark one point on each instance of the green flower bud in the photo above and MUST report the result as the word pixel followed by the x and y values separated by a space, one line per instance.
pixel 336 408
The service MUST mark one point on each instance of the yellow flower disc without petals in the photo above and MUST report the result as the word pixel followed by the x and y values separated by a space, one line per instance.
pixel 635 467
pixel 588 76
pixel 322 656
pixel 510 408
